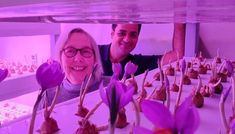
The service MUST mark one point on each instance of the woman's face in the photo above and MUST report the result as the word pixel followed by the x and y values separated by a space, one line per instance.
pixel 77 57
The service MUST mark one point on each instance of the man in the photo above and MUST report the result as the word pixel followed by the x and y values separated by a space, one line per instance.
pixel 124 40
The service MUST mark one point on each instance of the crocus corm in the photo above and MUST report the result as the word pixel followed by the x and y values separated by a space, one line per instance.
pixel 3 74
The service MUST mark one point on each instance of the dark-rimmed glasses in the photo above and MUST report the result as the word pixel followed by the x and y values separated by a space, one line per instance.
pixel 85 52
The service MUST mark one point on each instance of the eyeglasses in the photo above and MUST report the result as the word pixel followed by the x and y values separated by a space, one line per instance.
pixel 85 52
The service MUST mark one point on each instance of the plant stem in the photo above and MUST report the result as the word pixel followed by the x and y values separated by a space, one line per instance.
pixel 92 110
pixel 111 129
pixel 222 112
pixel 54 100
pixel 180 92
pixel 85 90
pixel 35 107
pixel 137 112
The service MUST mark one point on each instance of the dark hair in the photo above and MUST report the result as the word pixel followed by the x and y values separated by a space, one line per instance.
pixel 115 25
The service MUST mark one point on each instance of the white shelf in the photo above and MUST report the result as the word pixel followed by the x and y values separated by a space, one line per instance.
pixel 18 85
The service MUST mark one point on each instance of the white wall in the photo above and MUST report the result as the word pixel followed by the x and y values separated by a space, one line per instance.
pixel 155 39
pixel 20 41
pixel 217 36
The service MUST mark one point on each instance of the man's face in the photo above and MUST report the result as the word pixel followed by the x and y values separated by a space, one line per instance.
pixel 124 38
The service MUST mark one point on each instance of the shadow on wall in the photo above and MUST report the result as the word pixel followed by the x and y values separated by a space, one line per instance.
pixel 217 37
pixel 202 48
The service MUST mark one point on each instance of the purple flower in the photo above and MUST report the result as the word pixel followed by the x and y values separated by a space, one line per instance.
pixel 167 83
pixel 130 69
pixel 117 70
pixel 116 95
pixel 3 74
pixel 229 67
pixel 49 75
pixel 123 93
pixel 185 120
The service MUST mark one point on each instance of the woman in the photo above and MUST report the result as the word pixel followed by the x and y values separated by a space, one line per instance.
pixel 78 56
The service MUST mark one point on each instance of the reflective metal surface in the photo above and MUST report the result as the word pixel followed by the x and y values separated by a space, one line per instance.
pixel 111 11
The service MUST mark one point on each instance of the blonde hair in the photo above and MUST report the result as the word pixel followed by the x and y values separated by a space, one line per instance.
pixel 99 71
